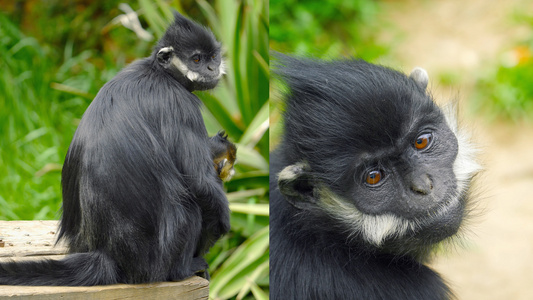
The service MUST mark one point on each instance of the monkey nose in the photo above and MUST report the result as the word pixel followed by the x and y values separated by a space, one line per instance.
pixel 210 67
pixel 421 184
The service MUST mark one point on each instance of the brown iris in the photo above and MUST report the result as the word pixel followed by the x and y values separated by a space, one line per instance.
pixel 373 177
pixel 423 141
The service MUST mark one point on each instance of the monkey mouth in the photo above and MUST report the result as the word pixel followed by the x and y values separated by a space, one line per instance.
pixel 444 222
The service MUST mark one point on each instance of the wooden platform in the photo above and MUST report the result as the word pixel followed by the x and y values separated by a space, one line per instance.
pixel 27 240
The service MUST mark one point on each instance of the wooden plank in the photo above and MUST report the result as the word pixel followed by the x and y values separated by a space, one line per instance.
pixel 29 240
pixel 194 288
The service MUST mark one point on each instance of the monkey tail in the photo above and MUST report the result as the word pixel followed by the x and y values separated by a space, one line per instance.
pixel 79 269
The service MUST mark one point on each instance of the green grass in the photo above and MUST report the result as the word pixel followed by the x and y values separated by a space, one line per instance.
pixel 48 81
pixel 327 29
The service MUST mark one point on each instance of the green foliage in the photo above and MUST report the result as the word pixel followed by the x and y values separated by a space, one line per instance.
pixel 29 126
pixel 324 28
pixel 49 80
pixel 37 121
pixel 507 91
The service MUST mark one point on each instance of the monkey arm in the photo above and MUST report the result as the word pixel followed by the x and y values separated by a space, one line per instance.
pixel 193 158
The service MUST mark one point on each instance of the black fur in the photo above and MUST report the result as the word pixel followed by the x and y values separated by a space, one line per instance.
pixel 141 199
pixel 328 238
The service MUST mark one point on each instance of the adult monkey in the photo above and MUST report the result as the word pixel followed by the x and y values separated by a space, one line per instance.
pixel 370 175
pixel 142 201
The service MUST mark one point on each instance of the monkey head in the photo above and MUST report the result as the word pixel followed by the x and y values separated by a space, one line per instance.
pixel 191 54
pixel 369 149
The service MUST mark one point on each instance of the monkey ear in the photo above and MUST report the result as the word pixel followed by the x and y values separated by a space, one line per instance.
pixel 296 183
pixel 164 54
pixel 420 76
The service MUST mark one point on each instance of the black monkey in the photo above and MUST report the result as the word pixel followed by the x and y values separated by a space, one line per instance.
pixel 224 155
pixel 370 175
pixel 141 199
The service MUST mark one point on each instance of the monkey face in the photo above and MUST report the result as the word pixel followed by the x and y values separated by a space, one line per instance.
pixel 370 150
pixel 191 54
pixel 401 190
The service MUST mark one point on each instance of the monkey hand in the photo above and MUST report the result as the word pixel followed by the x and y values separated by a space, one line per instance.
pixel 226 170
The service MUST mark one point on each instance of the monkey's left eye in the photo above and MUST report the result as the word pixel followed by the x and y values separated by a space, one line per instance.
pixel 374 177
pixel 423 141
pixel 213 56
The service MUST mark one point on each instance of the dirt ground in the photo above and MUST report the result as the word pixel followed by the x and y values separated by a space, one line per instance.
pixel 496 260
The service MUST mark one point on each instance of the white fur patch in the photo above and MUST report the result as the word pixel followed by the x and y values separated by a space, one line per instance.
pixel 374 228
pixel 191 75
pixel 166 49
pixel 465 165
pixel 290 172
pixel 221 69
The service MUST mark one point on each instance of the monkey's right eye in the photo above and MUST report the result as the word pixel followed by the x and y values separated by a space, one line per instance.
pixel 373 177
pixel 196 58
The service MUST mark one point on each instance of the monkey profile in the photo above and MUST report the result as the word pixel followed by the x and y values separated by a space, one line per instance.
pixel 369 177
pixel 224 155
pixel 141 199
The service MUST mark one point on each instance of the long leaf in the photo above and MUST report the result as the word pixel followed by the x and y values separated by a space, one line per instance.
pixel 250 157
pixel 252 209
pixel 251 285
pixel 257 128
pixel 246 254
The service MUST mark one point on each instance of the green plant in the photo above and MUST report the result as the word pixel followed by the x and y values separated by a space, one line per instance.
pixel 324 28
pixel 506 90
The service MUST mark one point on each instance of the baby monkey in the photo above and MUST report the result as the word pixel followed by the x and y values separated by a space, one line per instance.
pixel 224 155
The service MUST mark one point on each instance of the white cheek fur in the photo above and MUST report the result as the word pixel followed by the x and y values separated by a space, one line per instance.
pixel 191 75
pixel 374 228
pixel 195 76
pixel 465 165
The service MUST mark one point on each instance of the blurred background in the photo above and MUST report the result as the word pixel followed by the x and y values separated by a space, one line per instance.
pixel 56 55
pixel 477 52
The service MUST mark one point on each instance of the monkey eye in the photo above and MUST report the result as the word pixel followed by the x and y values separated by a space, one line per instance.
pixel 374 177
pixel 423 141
pixel 196 58
pixel 213 56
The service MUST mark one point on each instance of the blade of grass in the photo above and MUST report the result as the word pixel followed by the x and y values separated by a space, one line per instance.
pixel 252 209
